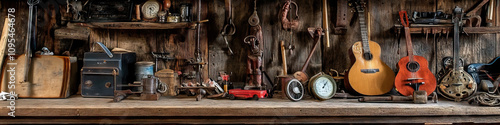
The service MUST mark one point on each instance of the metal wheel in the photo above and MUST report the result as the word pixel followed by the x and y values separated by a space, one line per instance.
pixel 231 96
pixel 294 90
pixel 255 97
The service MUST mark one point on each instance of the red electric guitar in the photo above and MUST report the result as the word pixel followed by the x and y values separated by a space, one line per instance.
pixel 414 73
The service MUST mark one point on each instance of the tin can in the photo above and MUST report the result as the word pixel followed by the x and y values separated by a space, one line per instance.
pixel 185 12
pixel 173 18
pixel 143 68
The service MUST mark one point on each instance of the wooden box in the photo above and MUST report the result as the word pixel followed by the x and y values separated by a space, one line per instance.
pixel 49 77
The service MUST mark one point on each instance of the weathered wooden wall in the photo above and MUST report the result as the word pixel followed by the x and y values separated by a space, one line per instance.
pixel 180 42
pixel 475 48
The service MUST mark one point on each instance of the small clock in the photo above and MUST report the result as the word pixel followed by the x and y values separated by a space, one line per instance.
pixel 322 86
pixel 150 9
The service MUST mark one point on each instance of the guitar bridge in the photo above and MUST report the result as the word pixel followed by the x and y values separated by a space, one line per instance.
pixel 411 79
pixel 369 70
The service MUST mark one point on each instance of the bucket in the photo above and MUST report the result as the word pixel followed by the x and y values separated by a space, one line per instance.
pixel 142 69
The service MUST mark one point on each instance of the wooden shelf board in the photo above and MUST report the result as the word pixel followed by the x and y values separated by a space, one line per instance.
pixel 423 29
pixel 184 109
pixel 187 106
pixel 135 25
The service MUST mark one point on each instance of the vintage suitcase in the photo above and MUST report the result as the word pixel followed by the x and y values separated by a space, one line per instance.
pixel 100 73
pixel 49 77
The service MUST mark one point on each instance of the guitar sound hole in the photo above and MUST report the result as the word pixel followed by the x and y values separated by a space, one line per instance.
pixel 367 56
pixel 413 66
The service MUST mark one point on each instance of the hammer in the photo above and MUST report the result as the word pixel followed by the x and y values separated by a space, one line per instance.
pixel 419 97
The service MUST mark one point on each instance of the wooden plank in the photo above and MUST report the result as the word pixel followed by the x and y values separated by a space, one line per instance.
pixel 3 40
pixel 495 29
pixel 176 106
pixel 72 33
pixel 136 25
pixel 251 120
pixel 497 23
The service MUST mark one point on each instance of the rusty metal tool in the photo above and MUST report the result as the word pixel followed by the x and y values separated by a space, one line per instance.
pixel 289 24
pixel 341 19
pixel 316 34
pixel 419 97
pixel 229 29
pixel 475 9
pixel 28 53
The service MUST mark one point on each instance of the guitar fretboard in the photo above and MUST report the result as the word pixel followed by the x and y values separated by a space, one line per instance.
pixel 364 30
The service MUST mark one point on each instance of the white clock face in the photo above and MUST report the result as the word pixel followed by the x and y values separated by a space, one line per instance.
pixel 150 9
pixel 323 87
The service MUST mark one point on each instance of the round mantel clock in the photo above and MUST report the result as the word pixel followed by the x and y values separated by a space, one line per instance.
pixel 150 10
pixel 322 86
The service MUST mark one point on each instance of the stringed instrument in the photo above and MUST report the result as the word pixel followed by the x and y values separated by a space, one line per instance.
pixel 414 73
pixel 368 75
pixel 485 74
pixel 457 84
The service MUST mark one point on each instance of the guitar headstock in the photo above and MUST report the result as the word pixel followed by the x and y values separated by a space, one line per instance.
pixel 458 14
pixel 33 2
pixel 358 5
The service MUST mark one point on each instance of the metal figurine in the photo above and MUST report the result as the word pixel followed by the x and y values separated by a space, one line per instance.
pixel 256 43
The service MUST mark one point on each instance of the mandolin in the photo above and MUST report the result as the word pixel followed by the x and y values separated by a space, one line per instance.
pixel 368 75
pixel 457 84
pixel 414 73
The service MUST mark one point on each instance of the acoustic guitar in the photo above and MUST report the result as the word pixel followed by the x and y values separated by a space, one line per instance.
pixel 368 75
pixel 414 73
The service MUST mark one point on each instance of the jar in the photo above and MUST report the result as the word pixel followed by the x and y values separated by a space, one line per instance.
pixel 185 12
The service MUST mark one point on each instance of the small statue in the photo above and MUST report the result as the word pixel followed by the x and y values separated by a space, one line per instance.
pixel 254 60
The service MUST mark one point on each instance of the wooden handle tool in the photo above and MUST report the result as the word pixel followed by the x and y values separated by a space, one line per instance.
pixel 325 23
pixel 283 57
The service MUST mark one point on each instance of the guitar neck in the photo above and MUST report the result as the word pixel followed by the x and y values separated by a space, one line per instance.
pixel 456 37
pixel 409 45
pixel 364 30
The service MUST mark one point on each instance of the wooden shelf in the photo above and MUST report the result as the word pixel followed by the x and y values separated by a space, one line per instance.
pixel 136 25
pixel 184 109
pixel 446 28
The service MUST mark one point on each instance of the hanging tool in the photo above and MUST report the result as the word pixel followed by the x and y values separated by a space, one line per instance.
pixel 491 12
pixel 254 18
pixel 283 57
pixel 316 34
pixel 28 53
pixel 229 29
pixel 325 23
pixel 286 23
pixel 341 19
pixel 198 62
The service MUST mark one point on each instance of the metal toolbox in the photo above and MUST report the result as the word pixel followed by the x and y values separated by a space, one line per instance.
pixel 101 71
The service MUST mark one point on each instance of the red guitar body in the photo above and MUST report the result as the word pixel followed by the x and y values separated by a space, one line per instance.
pixel 414 70
pixel 423 74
